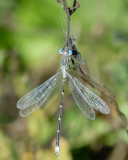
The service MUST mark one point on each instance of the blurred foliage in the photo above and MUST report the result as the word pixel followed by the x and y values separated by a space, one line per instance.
pixel 31 33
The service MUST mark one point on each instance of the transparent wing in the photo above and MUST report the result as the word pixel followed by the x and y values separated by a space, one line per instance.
pixel 80 99
pixel 86 100
pixel 37 97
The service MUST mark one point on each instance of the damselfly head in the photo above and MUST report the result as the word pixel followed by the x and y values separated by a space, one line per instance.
pixel 65 52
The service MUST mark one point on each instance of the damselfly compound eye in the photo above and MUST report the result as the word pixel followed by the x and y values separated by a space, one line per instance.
pixel 60 51
pixel 70 52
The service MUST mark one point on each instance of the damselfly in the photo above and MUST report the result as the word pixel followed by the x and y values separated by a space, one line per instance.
pixel 86 100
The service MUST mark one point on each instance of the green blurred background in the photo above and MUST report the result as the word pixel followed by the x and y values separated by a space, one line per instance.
pixel 31 33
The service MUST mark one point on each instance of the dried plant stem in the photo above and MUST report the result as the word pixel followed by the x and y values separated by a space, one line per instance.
pixel 66 10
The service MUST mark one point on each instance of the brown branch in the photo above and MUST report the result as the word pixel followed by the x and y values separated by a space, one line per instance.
pixel 68 12
pixel 74 7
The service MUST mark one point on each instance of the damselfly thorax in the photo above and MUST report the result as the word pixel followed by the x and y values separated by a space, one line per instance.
pixel 64 62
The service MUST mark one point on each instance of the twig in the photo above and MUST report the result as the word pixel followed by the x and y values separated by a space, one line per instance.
pixel 75 6
pixel 66 10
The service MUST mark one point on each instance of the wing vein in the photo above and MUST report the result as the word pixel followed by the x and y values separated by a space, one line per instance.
pixel 37 97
